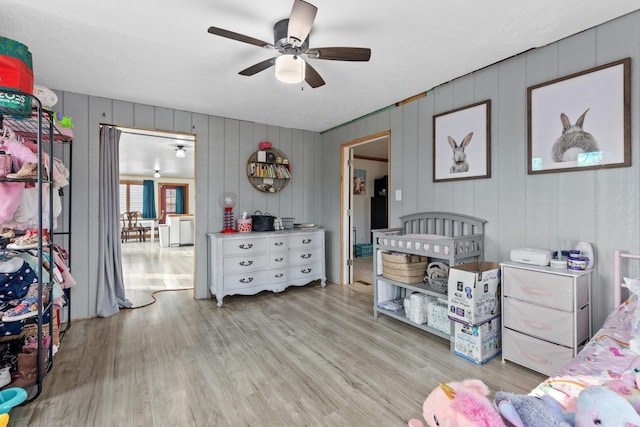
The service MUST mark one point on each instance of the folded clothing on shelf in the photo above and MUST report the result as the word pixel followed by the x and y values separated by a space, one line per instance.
pixel 15 279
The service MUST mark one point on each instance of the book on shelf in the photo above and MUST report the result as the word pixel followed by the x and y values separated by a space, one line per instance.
pixel 266 170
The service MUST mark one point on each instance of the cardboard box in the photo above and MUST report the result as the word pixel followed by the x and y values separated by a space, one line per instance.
pixel 474 292
pixel 480 343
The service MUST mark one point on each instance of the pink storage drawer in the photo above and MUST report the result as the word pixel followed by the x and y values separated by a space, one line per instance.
pixel 541 322
pixel 539 355
pixel 550 290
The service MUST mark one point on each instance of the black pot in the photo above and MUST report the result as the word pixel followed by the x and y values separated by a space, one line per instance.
pixel 262 222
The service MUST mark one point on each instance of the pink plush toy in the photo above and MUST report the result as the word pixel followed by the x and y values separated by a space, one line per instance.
pixel 459 404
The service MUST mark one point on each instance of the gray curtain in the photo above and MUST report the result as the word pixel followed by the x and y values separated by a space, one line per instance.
pixel 110 293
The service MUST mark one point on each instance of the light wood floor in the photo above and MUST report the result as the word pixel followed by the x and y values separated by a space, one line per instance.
pixel 309 356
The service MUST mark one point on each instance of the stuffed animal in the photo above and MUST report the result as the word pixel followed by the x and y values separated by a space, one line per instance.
pixel 599 406
pixel 527 411
pixel 459 404
pixel 627 387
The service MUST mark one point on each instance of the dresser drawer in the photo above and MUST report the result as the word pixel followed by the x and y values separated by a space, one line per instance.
pixel 244 246
pixel 547 323
pixel 278 243
pixel 304 256
pixel 278 260
pixel 310 240
pixel 311 271
pixel 550 290
pixel 243 281
pixel 238 264
pixel 534 353
pixel 278 276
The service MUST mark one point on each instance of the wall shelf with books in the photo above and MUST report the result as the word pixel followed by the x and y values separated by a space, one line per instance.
pixel 268 170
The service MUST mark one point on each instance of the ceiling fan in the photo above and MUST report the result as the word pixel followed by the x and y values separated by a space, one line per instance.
pixel 291 39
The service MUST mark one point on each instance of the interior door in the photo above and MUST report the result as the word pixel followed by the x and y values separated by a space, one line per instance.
pixel 168 200
pixel 351 228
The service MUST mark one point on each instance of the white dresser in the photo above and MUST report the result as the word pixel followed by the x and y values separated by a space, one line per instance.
pixel 247 263
pixel 546 315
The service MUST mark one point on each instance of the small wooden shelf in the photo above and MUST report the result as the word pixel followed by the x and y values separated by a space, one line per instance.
pixel 269 173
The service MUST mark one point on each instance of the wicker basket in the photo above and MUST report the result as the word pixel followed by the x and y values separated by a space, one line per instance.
pixel 403 268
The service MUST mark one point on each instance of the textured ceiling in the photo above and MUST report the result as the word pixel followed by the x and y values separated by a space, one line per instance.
pixel 160 53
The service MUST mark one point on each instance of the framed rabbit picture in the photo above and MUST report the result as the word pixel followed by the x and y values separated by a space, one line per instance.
pixel 462 143
pixel 581 121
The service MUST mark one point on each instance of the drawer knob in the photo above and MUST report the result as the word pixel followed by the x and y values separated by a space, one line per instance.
pixel 306 241
pixel 278 259
pixel 245 263
pixel 305 256
pixel 306 271
pixel 245 245
pixel 247 280
pixel 278 243
pixel 279 275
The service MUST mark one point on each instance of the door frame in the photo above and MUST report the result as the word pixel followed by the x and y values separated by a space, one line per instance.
pixel 168 134
pixel 346 234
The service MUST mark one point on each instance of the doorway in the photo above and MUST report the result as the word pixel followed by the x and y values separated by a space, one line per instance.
pixel 362 160
pixel 164 163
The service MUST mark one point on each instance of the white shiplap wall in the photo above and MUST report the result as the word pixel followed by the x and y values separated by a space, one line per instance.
pixel 602 207
pixel 222 149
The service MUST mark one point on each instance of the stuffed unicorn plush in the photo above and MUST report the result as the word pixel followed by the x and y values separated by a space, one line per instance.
pixel 459 404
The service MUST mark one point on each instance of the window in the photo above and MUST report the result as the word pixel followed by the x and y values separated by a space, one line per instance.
pixel 130 196
pixel 170 200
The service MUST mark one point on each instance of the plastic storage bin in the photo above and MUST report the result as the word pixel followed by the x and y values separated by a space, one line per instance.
pixel 363 249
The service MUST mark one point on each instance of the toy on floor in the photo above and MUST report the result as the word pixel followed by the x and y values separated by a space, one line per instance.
pixel 459 404
pixel 527 411
pixel 599 406
pixel 10 397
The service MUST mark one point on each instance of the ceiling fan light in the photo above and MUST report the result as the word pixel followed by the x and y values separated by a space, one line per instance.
pixel 290 68
pixel 156 174
pixel 180 151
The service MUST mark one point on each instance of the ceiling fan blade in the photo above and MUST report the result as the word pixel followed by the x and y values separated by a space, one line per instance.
pixel 341 53
pixel 301 20
pixel 260 66
pixel 237 36
pixel 312 77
